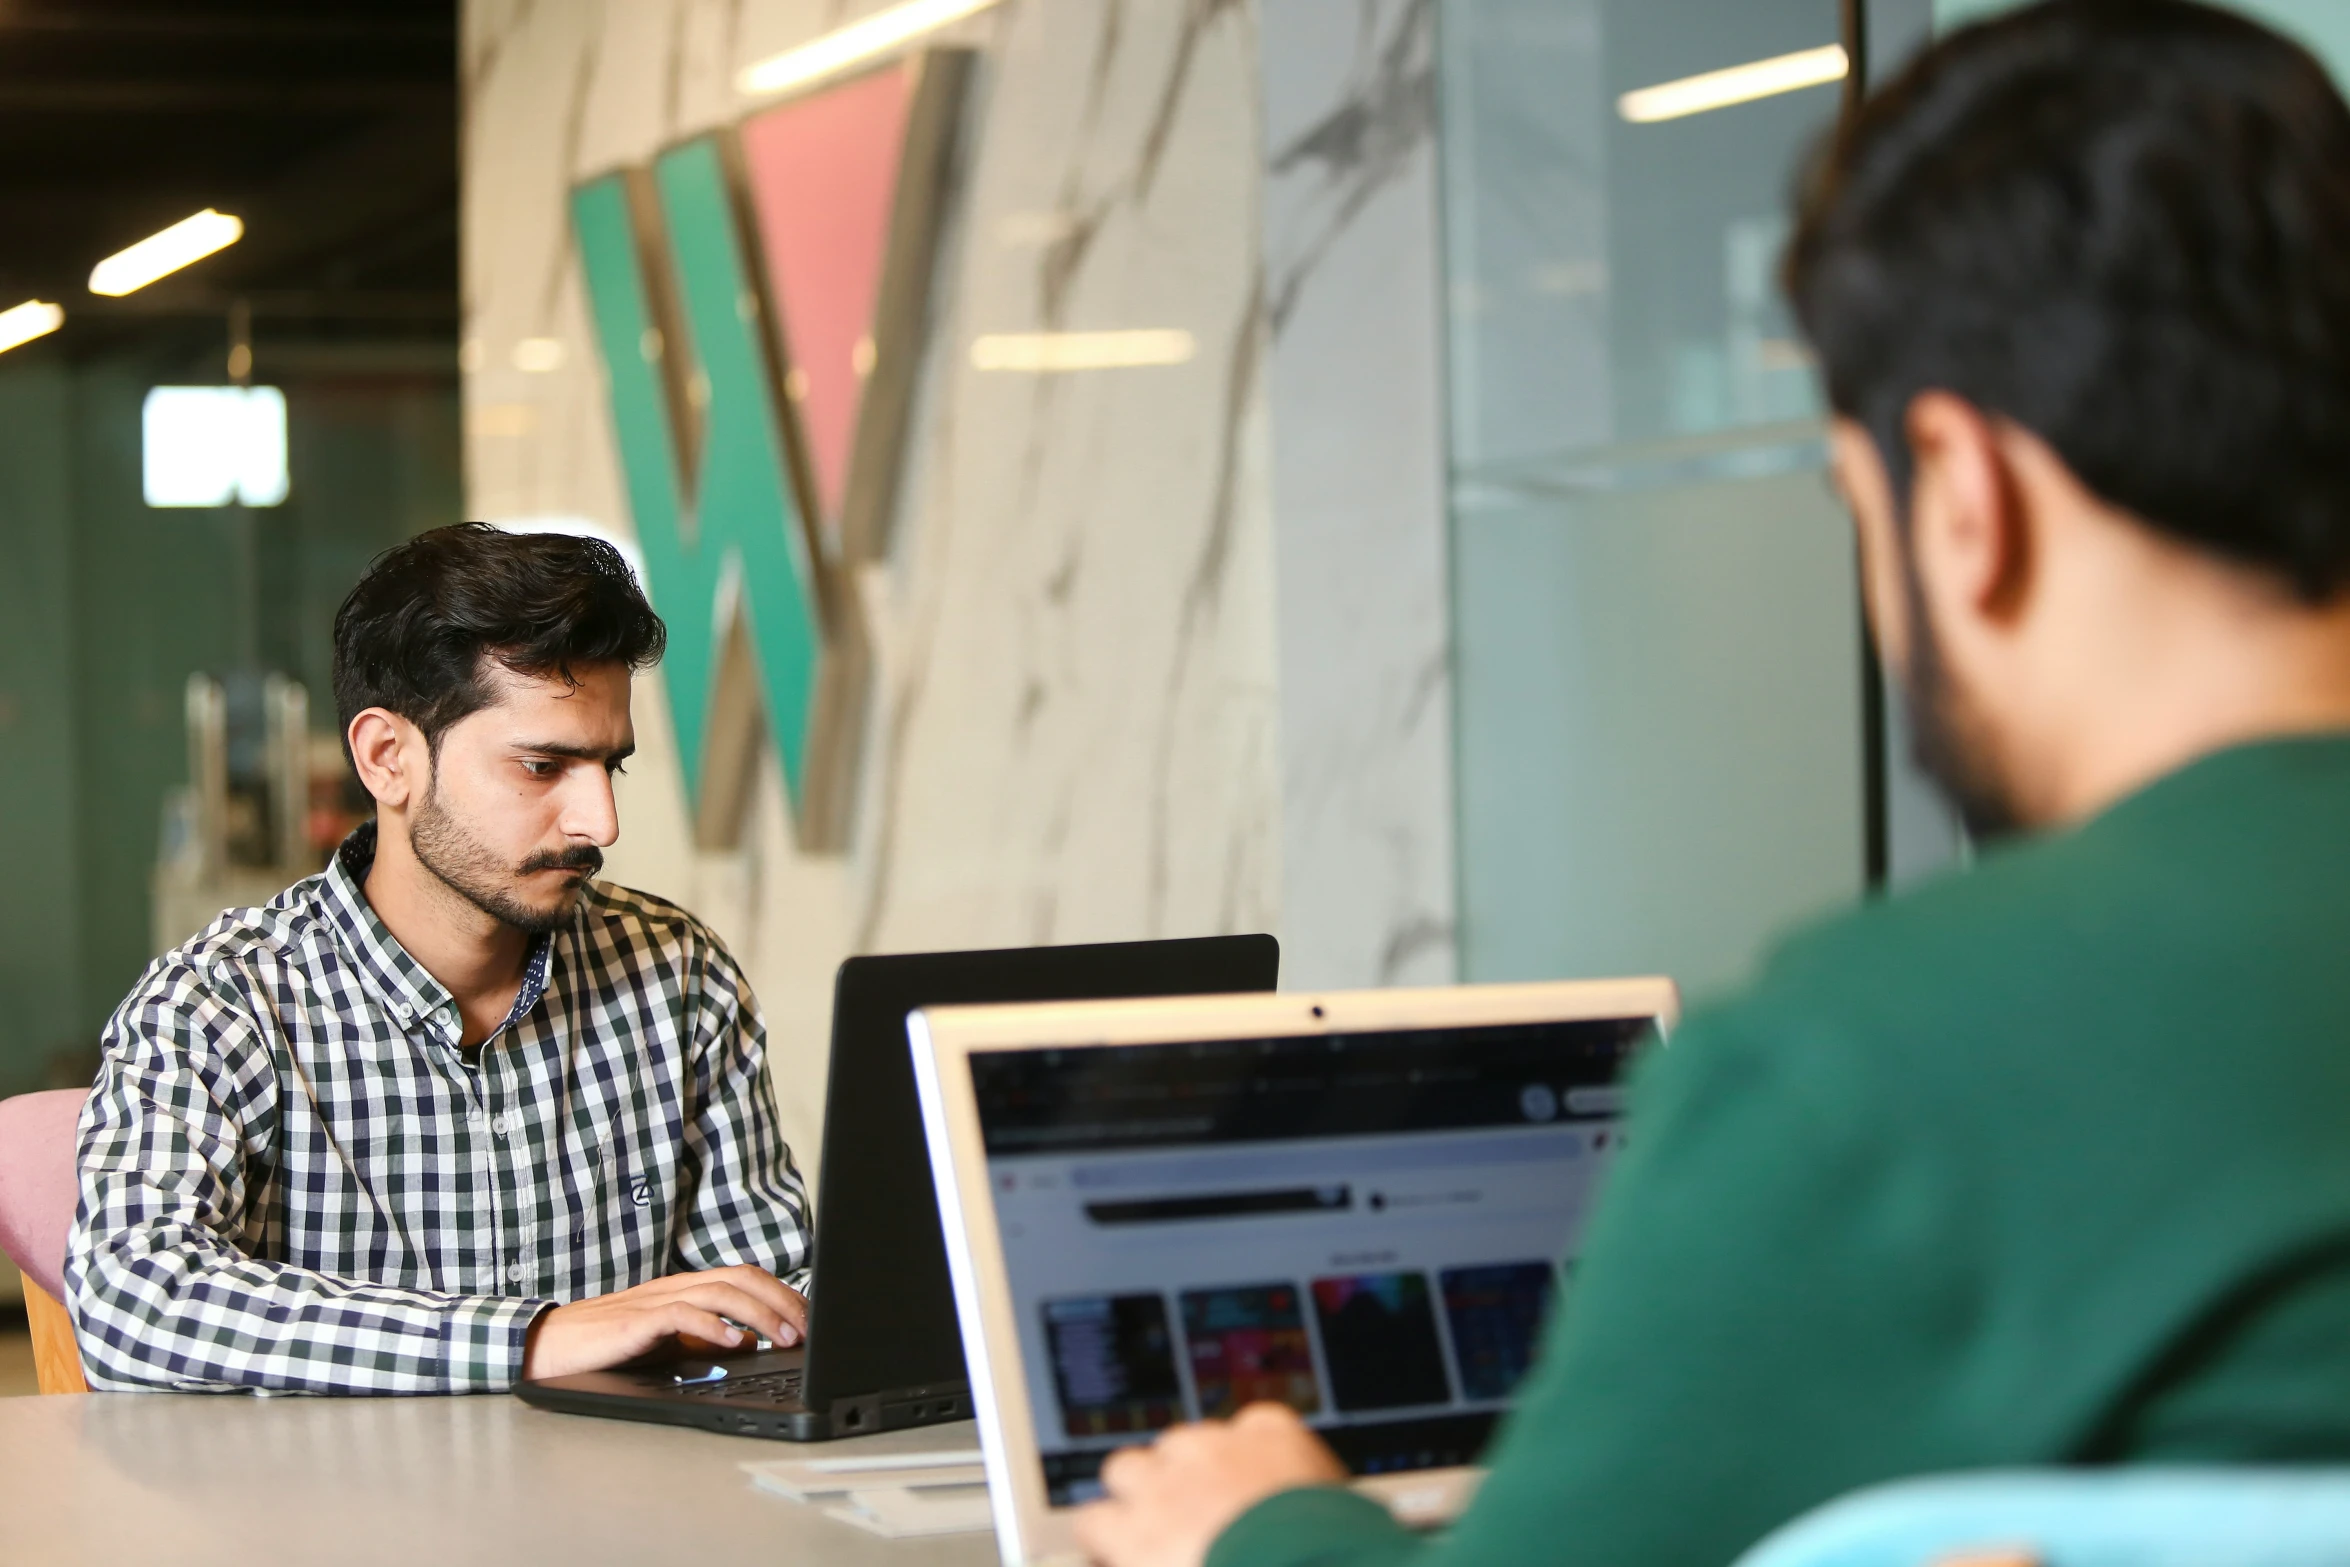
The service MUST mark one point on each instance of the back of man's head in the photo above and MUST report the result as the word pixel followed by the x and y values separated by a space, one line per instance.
pixel 2125 226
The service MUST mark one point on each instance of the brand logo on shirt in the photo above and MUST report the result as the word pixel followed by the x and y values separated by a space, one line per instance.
pixel 758 295
pixel 640 1192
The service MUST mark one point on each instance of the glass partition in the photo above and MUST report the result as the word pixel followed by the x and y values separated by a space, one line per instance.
pixel 1657 633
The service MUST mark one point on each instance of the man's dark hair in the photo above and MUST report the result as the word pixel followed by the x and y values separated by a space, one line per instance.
pixel 2125 226
pixel 417 634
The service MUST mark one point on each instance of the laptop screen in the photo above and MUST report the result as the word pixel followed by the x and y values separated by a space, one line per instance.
pixel 1367 1227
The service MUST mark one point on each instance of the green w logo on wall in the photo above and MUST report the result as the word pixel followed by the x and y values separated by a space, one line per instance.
pixel 758 297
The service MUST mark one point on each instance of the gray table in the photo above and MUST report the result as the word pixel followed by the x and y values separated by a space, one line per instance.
pixel 417 1482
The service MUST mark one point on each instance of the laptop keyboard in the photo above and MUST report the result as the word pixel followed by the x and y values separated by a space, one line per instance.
pixel 781 1385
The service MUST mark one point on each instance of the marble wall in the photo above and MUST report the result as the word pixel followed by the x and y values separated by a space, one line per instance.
pixel 1075 734
pixel 1352 292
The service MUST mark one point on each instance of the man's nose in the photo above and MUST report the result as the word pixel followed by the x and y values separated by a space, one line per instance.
pixel 589 810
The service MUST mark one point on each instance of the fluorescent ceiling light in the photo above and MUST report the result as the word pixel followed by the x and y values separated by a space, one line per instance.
pixel 159 255
pixel 501 421
pixel 845 46
pixel 538 355
pixel 1047 352
pixel 1737 84
pixel 22 323
pixel 209 445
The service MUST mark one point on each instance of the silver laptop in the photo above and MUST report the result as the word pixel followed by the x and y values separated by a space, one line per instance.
pixel 1358 1204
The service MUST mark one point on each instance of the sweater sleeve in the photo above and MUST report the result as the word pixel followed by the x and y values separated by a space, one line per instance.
pixel 1751 1331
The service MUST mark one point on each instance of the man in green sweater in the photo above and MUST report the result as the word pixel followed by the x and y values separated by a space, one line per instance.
pixel 2049 1162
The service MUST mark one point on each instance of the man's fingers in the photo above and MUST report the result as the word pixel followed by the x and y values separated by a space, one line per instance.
pixel 1101 1529
pixel 1177 1441
pixel 727 1300
pixel 683 1319
pixel 789 1303
pixel 791 1307
pixel 783 1311
pixel 1123 1469
pixel 1264 1412
pixel 786 1302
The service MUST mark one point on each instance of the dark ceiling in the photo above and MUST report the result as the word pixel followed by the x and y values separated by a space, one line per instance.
pixel 329 126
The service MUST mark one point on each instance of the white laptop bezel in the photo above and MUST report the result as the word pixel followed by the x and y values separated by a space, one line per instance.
pixel 1028 1528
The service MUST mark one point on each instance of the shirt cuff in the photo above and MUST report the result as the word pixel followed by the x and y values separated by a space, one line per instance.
pixel 1319 1523
pixel 482 1343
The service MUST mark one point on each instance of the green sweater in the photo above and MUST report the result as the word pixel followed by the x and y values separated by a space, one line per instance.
pixel 2047 1163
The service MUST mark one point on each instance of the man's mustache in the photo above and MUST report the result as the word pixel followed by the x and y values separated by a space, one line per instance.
pixel 586 858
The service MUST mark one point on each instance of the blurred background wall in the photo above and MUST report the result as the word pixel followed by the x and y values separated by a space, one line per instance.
pixel 110 605
pixel 332 132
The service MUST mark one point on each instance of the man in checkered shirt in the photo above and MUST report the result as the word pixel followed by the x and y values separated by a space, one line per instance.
pixel 451 1112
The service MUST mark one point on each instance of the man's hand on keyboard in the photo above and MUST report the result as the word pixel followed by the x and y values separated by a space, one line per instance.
pixel 1167 1502
pixel 697 1312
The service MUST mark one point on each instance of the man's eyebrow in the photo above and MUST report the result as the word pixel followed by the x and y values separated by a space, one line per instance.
pixel 584 753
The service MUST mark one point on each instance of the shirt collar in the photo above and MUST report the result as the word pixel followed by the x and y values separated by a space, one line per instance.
pixel 401 983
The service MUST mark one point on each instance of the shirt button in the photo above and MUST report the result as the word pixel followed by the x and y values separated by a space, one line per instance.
pixel 499 1126
pixel 514 1273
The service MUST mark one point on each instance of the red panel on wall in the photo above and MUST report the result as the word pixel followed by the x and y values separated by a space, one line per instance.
pixel 822 174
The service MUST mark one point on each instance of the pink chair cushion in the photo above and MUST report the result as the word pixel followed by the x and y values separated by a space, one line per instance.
pixel 37 1185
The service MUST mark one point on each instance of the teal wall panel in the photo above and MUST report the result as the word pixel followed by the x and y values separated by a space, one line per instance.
pixel 156 598
pixel 106 608
pixel 40 926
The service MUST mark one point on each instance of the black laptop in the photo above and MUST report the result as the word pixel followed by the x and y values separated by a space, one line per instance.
pixel 883 1351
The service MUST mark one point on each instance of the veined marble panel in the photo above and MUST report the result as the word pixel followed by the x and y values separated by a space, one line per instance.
pixel 1074 730
pixel 1352 248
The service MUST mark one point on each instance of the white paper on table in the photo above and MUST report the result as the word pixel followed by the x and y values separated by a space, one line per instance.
pixel 862 1462
pixel 794 1479
pixel 897 1513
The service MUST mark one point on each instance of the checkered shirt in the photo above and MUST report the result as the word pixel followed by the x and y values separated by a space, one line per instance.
pixel 293 1180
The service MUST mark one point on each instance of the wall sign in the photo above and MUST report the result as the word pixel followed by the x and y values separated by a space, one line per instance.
pixel 758 296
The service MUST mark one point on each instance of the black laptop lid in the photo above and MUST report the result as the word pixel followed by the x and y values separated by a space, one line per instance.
pixel 882 1316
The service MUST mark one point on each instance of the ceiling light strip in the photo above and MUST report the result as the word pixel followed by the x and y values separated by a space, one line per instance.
pixel 1052 352
pixel 859 41
pixel 1737 84
pixel 20 324
pixel 161 254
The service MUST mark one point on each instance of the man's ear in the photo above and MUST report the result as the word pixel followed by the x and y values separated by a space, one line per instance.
pixel 1969 536
pixel 390 755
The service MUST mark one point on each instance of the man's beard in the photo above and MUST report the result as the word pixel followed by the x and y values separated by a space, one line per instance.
pixel 1945 741
pixel 467 868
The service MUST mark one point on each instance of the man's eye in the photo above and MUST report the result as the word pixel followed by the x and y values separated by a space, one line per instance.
pixel 539 769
